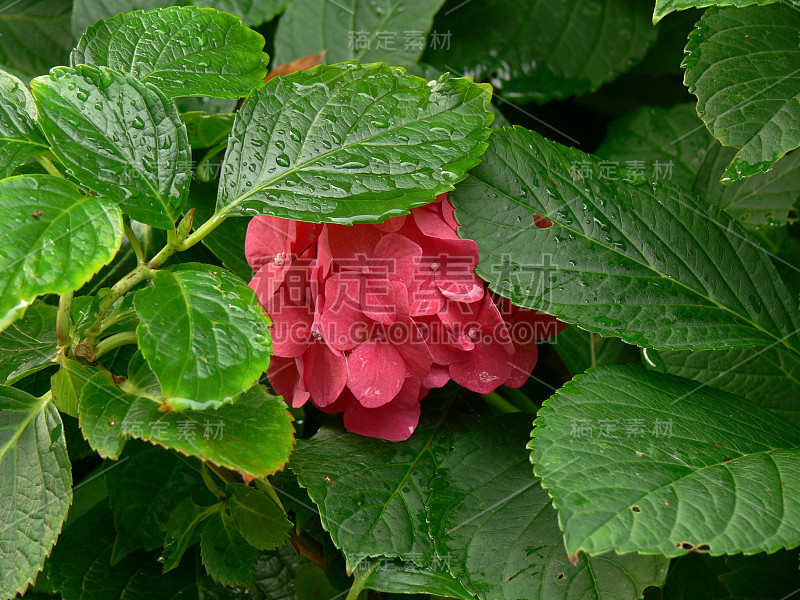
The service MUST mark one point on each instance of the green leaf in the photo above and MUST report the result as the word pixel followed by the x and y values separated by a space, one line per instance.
pixel 649 264
pixel 120 137
pixel 67 384
pixel 371 493
pixel 36 486
pixel 767 377
pixel 206 130
pixel 398 577
pixel 739 65
pixel 36 35
pixel 144 491
pixel 495 527
pixel 80 568
pixel 204 334
pixel 393 31
pixel 252 12
pixel 228 558
pixel 181 531
pixel 762 199
pixel 259 518
pixel 184 51
pixel 541 50
pixel 20 138
pixel 660 144
pixel 664 7
pixel 29 345
pixel 87 12
pixel 52 240
pixel 679 469
pixel 295 153
pixel 253 436
pixel 581 350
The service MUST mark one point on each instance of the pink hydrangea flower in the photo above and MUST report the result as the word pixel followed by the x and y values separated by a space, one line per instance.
pixel 368 318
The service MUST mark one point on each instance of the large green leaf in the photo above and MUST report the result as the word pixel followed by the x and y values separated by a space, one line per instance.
pixel 252 12
pixel 29 345
pixel 349 143
pixel 541 49
pixel 768 377
pixel 668 467
pixel 664 7
pixel 184 51
pixel 87 12
pixel 253 436
pixel 391 31
pixel 495 527
pixel 118 136
pixel 143 491
pixel 18 134
pixel 386 499
pixel 662 144
pixel 34 35
pixel 204 334
pixel 35 486
pixel 741 64
pixel 762 199
pixel 650 264
pixel 52 239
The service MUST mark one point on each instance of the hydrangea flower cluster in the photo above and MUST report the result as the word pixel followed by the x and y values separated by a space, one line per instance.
pixel 368 318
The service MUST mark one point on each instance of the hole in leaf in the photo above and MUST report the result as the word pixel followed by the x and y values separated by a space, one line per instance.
pixel 685 545
pixel 636 508
pixel 560 576
pixel 704 548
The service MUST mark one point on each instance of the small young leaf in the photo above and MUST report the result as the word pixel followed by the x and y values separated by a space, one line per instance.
pixel 767 377
pixel 394 32
pixel 649 264
pixel 669 467
pixel 52 239
pixel 398 577
pixel 207 130
pixel 20 137
pixel 181 531
pixel 228 558
pixel 36 484
pixel 184 51
pixel 664 7
pixel 261 520
pixel 118 136
pixel 296 153
pixel 253 436
pixel 204 334
pixel 29 345
pixel 542 50
pixel 741 65
pixel 36 35
pixel 67 385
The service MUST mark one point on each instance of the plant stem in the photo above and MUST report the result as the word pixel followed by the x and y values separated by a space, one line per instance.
pixel 359 581
pixel 497 401
pixel 134 241
pixel 48 165
pixel 114 341
pixel 521 400
pixel 63 321
pixel 592 348
pixel 307 546
pixel 206 228
pixel 115 318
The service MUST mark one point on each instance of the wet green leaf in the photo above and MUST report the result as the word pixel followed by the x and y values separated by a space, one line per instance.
pixel 20 138
pixel 29 345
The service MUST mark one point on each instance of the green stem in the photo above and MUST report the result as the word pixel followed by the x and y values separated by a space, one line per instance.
pixel 360 580
pixel 48 165
pixel 593 348
pixel 115 341
pixel 115 318
pixel 63 322
pixel 206 228
pixel 497 401
pixel 134 241
pixel 521 400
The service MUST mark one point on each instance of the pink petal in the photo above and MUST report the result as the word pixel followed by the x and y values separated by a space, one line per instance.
pixel 448 210
pixel 487 368
pixel 443 345
pixel 324 373
pixel 348 245
pixel 455 275
pixel 286 380
pixel 394 421
pixel 266 238
pixel 399 256
pixel 377 299
pixel 291 329
pixel 522 362
pixel 376 373
pixel 406 337
pixel 425 298
pixel 439 376
pixel 391 225
pixel 343 324
pixel 267 280
pixel 432 223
